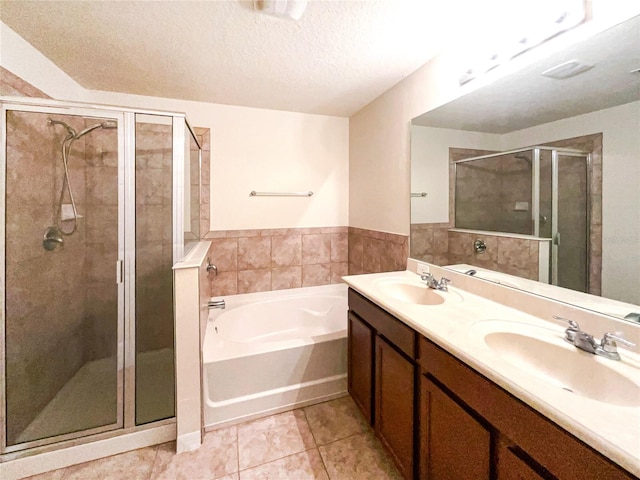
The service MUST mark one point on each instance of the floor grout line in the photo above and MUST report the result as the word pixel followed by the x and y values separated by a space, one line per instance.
pixel 237 452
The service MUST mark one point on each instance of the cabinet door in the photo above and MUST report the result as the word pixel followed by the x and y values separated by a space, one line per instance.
pixel 453 444
pixel 512 467
pixel 394 400
pixel 360 369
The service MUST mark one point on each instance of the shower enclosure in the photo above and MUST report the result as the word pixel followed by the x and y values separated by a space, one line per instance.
pixel 91 222
pixel 539 191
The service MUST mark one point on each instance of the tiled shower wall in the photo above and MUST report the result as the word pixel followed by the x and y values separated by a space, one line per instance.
pixel 487 192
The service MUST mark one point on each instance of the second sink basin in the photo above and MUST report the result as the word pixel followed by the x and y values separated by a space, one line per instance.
pixel 542 353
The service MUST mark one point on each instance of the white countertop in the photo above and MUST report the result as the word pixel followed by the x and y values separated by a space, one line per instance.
pixel 459 325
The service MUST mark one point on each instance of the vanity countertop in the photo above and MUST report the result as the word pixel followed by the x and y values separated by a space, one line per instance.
pixel 459 326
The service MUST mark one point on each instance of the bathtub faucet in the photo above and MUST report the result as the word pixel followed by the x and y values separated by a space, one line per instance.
pixel 216 304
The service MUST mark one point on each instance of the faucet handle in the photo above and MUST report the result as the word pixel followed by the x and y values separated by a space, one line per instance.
pixel 444 282
pixel 572 323
pixel 609 340
pixel 573 329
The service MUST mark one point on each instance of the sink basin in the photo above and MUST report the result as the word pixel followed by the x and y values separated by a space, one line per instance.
pixel 416 293
pixel 542 353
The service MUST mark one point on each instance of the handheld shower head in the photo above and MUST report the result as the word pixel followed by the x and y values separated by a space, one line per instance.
pixel 52 239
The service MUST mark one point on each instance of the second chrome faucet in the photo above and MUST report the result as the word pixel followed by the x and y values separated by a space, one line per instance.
pixel 606 348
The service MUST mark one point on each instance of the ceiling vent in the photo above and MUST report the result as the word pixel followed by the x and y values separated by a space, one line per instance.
pixel 567 70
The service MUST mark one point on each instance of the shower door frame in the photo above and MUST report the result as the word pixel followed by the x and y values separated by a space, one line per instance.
pixel 535 199
pixel 119 423
pixel 555 195
pixel 126 118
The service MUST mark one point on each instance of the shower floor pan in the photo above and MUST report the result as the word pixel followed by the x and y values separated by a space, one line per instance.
pixel 87 399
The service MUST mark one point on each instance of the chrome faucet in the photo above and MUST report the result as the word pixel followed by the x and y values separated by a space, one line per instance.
pixel 216 304
pixel 431 282
pixel 607 347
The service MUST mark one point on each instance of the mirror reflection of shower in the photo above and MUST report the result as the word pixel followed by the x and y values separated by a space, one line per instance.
pixel 54 235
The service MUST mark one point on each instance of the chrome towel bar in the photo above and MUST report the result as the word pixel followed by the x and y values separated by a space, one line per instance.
pixel 419 194
pixel 280 194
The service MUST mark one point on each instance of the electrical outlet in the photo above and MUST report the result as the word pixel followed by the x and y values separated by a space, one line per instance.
pixel 422 269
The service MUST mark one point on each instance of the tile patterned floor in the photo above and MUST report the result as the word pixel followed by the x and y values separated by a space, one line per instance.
pixel 327 441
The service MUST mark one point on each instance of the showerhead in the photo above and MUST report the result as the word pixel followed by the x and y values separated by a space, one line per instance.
pixel 52 239
pixel 523 157
pixel 73 135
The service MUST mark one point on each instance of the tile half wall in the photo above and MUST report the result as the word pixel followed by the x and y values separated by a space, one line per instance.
pixel 274 259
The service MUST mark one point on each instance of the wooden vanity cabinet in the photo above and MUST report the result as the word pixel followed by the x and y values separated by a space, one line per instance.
pixel 394 404
pixel 360 365
pixel 523 444
pixel 453 444
pixel 381 377
pixel 442 420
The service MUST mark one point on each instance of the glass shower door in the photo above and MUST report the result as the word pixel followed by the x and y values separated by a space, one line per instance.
pixel 63 296
pixel 571 240
pixel 154 332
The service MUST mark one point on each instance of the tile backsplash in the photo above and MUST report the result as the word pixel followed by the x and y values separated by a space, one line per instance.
pixel 273 259
pixel 371 251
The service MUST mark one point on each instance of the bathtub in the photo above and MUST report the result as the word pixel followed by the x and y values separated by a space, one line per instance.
pixel 274 351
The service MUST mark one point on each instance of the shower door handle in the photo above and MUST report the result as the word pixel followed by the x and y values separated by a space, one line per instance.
pixel 119 271
pixel 556 240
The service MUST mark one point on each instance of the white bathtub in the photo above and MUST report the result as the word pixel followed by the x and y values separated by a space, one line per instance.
pixel 273 351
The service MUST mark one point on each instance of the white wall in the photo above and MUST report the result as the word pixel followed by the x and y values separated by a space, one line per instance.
pixel 271 151
pixel 430 167
pixel 620 127
pixel 20 58
pixel 251 148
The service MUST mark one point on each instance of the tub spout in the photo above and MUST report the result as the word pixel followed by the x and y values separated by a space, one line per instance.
pixel 216 304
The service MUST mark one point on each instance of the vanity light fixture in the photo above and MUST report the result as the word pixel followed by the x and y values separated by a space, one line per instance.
pixel 520 30
pixel 567 70
pixel 281 8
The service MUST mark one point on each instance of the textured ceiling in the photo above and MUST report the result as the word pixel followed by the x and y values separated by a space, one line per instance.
pixel 526 98
pixel 335 60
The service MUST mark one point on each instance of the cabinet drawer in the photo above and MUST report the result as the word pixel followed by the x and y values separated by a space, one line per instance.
pixel 396 332
pixel 563 455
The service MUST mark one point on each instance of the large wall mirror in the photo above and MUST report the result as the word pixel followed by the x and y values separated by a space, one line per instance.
pixel 533 181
